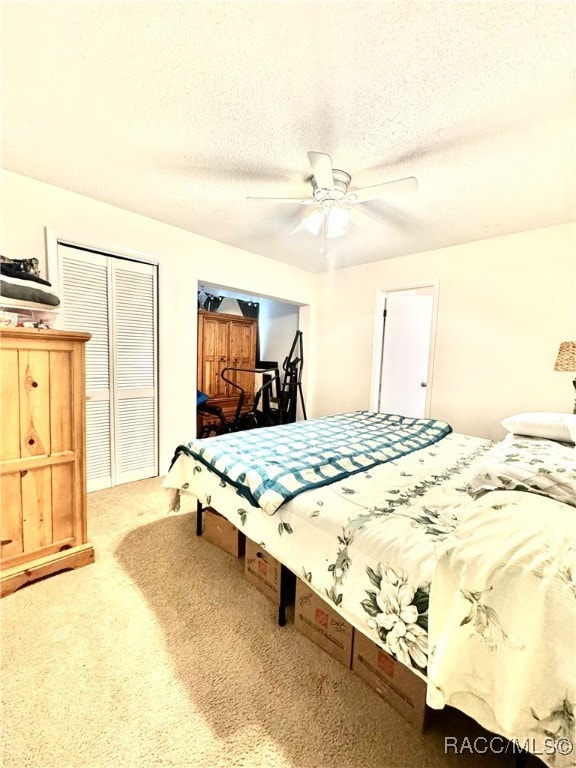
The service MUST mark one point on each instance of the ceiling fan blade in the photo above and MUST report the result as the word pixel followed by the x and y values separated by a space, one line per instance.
pixel 379 191
pixel 293 200
pixel 299 228
pixel 362 220
pixel 322 169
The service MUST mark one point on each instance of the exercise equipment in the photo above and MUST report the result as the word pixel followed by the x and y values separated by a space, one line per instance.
pixel 292 383
pixel 275 402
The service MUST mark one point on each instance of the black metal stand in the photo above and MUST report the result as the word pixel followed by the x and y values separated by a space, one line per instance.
pixel 198 518
pixel 287 578
pixel 251 419
pixel 292 384
pixel 287 592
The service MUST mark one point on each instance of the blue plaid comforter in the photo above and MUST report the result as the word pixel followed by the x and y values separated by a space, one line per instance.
pixel 271 465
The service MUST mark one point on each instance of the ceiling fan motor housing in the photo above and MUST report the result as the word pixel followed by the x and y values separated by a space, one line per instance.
pixel 341 183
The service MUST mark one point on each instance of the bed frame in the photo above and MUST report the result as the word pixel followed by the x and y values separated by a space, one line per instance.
pixel 287 578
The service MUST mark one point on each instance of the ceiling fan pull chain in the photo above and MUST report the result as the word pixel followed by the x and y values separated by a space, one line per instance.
pixel 324 242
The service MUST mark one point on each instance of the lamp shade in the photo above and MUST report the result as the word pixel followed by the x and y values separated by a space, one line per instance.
pixel 566 360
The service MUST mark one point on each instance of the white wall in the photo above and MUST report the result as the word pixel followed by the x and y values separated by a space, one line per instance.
pixel 28 206
pixel 279 325
pixel 505 304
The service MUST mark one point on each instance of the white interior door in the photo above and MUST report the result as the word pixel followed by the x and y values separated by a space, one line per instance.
pixel 407 333
pixel 114 299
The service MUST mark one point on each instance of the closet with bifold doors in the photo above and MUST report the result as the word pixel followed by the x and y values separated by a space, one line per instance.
pixel 114 298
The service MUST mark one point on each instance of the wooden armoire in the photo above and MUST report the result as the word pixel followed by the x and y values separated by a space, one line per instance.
pixel 42 453
pixel 225 341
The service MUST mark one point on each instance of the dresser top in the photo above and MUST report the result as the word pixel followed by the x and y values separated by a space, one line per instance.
pixel 12 332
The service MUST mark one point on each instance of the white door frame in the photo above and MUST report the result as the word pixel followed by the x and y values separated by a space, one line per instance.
pixel 378 337
pixel 52 238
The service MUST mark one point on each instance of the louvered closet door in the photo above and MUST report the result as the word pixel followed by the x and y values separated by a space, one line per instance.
pixel 114 299
pixel 85 298
pixel 134 331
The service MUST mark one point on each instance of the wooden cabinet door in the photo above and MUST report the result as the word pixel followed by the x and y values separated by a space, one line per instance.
pixel 221 388
pixel 34 377
pixel 213 355
pixel 9 405
pixel 42 468
pixel 243 354
pixel 226 341
pixel 11 532
pixel 40 450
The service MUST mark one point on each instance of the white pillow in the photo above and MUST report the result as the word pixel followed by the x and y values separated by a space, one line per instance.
pixel 551 426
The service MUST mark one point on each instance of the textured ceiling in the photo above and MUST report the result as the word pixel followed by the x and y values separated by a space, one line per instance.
pixel 180 110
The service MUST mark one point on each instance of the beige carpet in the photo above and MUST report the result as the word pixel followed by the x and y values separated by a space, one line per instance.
pixel 161 654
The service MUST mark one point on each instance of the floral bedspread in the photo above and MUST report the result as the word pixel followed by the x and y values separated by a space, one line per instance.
pixel 475 595
pixel 365 543
pixel 528 464
pixel 503 629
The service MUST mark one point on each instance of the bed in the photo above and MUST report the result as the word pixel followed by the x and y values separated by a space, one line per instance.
pixel 455 554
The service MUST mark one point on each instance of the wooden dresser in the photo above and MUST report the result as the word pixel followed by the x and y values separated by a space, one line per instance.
pixel 225 340
pixel 42 455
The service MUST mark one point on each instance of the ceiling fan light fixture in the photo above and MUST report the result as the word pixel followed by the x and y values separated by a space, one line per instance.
pixel 333 206
pixel 313 222
pixel 337 221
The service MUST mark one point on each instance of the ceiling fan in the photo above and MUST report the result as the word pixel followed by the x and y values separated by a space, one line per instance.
pixel 334 203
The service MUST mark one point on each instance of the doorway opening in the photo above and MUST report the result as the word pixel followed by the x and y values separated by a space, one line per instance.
pixel 403 352
pixel 238 333
pixel 278 320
